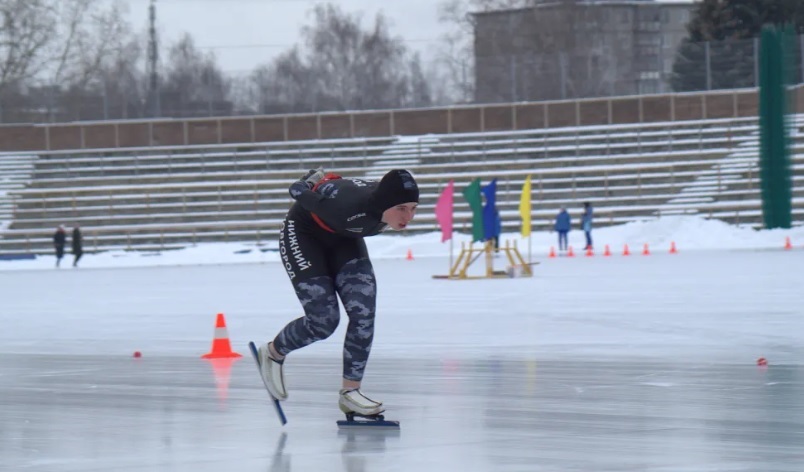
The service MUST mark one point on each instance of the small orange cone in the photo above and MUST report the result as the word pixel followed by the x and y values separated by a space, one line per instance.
pixel 626 252
pixel 410 255
pixel 552 251
pixel 570 252
pixel 589 252
pixel 673 249
pixel 607 252
pixel 646 250
pixel 787 244
pixel 221 347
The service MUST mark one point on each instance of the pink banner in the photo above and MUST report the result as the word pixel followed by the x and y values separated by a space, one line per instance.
pixel 443 211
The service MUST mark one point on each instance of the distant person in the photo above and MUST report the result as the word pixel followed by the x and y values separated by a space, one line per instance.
pixel 586 224
pixel 59 240
pixel 78 245
pixel 562 227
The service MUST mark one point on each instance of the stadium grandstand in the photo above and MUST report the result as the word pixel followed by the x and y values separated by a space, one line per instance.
pixel 159 197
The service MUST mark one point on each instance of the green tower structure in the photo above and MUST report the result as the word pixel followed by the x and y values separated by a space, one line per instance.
pixel 774 158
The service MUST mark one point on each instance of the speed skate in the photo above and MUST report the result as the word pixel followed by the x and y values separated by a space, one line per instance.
pixel 361 410
pixel 356 420
pixel 277 406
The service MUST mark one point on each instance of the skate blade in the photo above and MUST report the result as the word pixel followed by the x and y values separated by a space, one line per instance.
pixel 277 406
pixel 354 420
pixel 368 423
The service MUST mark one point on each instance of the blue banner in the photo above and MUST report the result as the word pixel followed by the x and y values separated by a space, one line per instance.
pixel 491 217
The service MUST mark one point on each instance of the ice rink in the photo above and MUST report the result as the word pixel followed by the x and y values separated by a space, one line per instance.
pixel 641 363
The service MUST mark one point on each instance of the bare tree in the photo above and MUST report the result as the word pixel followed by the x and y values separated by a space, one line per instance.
pixel 92 36
pixel 420 93
pixel 193 82
pixel 243 94
pixel 286 85
pixel 25 34
pixel 50 50
pixel 341 66
pixel 122 85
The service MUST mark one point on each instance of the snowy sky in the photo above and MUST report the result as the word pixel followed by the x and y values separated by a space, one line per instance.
pixel 244 33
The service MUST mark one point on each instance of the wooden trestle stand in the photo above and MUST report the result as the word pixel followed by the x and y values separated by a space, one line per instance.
pixel 517 267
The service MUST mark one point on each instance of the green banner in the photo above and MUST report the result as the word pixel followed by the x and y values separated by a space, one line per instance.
pixel 472 196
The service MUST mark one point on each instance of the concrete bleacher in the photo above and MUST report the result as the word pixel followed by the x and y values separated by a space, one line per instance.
pixel 15 174
pixel 164 198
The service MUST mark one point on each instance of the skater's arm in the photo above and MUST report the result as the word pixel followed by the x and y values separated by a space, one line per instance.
pixel 342 205
pixel 334 210
pixel 310 200
pixel 305 184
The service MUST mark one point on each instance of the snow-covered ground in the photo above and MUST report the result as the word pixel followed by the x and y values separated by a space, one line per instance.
pixel 689 233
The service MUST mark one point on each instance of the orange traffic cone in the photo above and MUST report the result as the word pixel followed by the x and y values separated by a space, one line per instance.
pixel 410 255
pixel 645 250
pixel 221 347
pixel 626 252
pixel 673 249
pixel 787 244
pixel 589 252
pixel 552 251
pixel 570 252
pixel 607 251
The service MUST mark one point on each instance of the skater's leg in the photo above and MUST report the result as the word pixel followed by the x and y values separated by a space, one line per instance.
pixel 357 288
pixel 320 303
pixel 321 316
pixel 304 260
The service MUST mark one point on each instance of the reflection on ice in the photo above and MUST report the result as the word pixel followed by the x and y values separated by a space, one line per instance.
pixel 360 443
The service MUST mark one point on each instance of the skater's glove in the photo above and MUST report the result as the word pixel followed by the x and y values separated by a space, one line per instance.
pixel 314 176
pixel 307 182
pixel 298 188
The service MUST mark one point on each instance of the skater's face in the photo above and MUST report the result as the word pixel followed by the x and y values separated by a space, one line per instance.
pixel 398 217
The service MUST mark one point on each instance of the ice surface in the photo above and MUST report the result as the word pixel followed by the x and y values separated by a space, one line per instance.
pixel 640 363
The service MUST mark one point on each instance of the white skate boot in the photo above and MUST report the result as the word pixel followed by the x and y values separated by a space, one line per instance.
pixel 271 371
pixel 354 402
